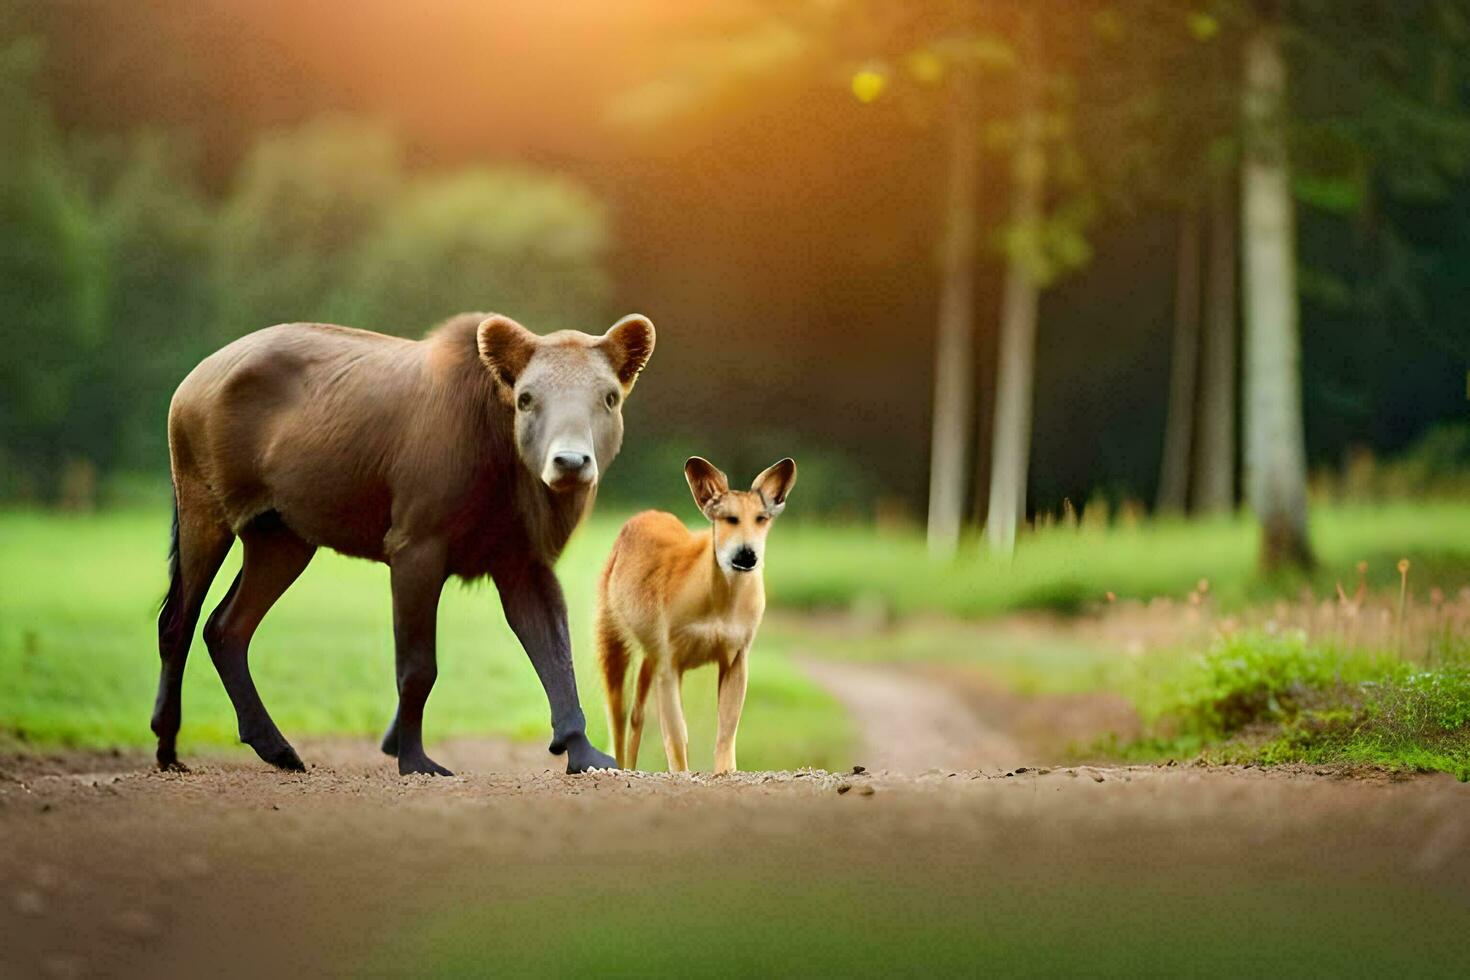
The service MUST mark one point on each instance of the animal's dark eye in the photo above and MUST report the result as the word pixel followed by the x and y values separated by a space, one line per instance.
pixel 611 399
pixel 732 520
pixel 524 402
pixel 761 518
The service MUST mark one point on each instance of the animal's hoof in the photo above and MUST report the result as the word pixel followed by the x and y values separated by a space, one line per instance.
pixel 166 755
pixel 421 764
pixel 284 758
pixel 390 741
pixel 170 763
pixel 581 756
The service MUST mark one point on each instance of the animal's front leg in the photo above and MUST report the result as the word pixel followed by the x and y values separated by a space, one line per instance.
pixel 536 611
pixel 671 720
pixel 417 579
pixel 732 701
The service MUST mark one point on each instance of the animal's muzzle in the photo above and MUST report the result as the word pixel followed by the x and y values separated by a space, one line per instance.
pixel 569 468
pixel 570 464
pixel 744 560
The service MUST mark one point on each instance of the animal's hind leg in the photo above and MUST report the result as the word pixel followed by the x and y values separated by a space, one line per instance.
pixel 635 720
pixel 274 557
pixel 612 656
pixel 201 543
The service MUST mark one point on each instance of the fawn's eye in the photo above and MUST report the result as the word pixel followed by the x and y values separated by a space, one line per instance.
pixel 611 400
pixel 524 402
pixel 732 520
pixel 761 518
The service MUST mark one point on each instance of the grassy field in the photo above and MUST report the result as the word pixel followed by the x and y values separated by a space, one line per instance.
pixel 79 594
pixel 1065 569
pixel 78 653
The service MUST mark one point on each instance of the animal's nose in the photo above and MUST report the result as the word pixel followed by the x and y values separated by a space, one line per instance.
pixel 570 463
pixel 744 559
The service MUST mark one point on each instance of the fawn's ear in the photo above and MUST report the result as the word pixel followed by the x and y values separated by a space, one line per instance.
pixel 505 347
pixel 775 483
pixel 628 345
pixel 706 482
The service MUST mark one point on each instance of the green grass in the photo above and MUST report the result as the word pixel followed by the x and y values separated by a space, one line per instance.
pixel 1065 570
pixel 1279 699
pixel 1009 915
pixel 79 594
pixel 78 653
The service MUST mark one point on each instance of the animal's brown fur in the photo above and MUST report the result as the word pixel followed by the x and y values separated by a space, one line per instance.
pixel 362 441
pixel 676 594
pixel 413 453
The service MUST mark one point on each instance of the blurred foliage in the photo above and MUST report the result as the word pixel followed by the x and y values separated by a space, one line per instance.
pixel 1437 465
pixel 534 243
pixel 54 273
pixel 302 206
pixel 125 258
pixel 1281 699
pixel 120 273
pixel 922 56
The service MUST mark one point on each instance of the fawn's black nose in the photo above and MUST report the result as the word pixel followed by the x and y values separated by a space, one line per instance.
pixel 569 464
pixel 744 560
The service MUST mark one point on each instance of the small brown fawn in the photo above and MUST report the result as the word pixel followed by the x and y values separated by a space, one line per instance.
pixel 687 599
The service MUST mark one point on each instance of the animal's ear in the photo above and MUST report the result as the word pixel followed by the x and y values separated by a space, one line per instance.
pixel 706 482
pixel 775 483
pixel 505 347
pixel 628 345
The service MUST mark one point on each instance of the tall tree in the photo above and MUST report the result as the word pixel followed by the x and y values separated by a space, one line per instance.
pixel 954 351
pixel 1184 368
pixel 1275 460
pixel 1010 453
pixel 1051 205
pixel 1214 463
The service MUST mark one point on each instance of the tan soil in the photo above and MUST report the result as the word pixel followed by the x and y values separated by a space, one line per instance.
pixel 108 867
pixel 907 722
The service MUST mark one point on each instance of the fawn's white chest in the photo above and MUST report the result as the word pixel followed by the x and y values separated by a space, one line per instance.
pixel 714 638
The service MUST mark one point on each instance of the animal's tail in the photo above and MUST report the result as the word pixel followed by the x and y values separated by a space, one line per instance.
pixel 612 657
pixel 171 611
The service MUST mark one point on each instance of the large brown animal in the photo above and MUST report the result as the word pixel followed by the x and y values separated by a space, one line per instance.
pixel 472 452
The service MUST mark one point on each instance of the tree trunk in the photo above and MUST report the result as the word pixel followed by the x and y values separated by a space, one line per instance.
pixel 1214 466
pixel 1179 424
pixel 1016 354
pixel 954 367
pixel 1275 458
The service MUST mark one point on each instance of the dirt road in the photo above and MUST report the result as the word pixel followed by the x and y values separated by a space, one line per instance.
pixel 910 723
pixel 108 868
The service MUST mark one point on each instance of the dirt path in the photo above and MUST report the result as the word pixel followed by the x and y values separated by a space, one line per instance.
pixel 909 723
pixel 109 868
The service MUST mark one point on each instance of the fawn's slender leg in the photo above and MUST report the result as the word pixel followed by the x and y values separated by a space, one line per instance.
pixel 671 720
pixel 731 700
pixel 635 720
